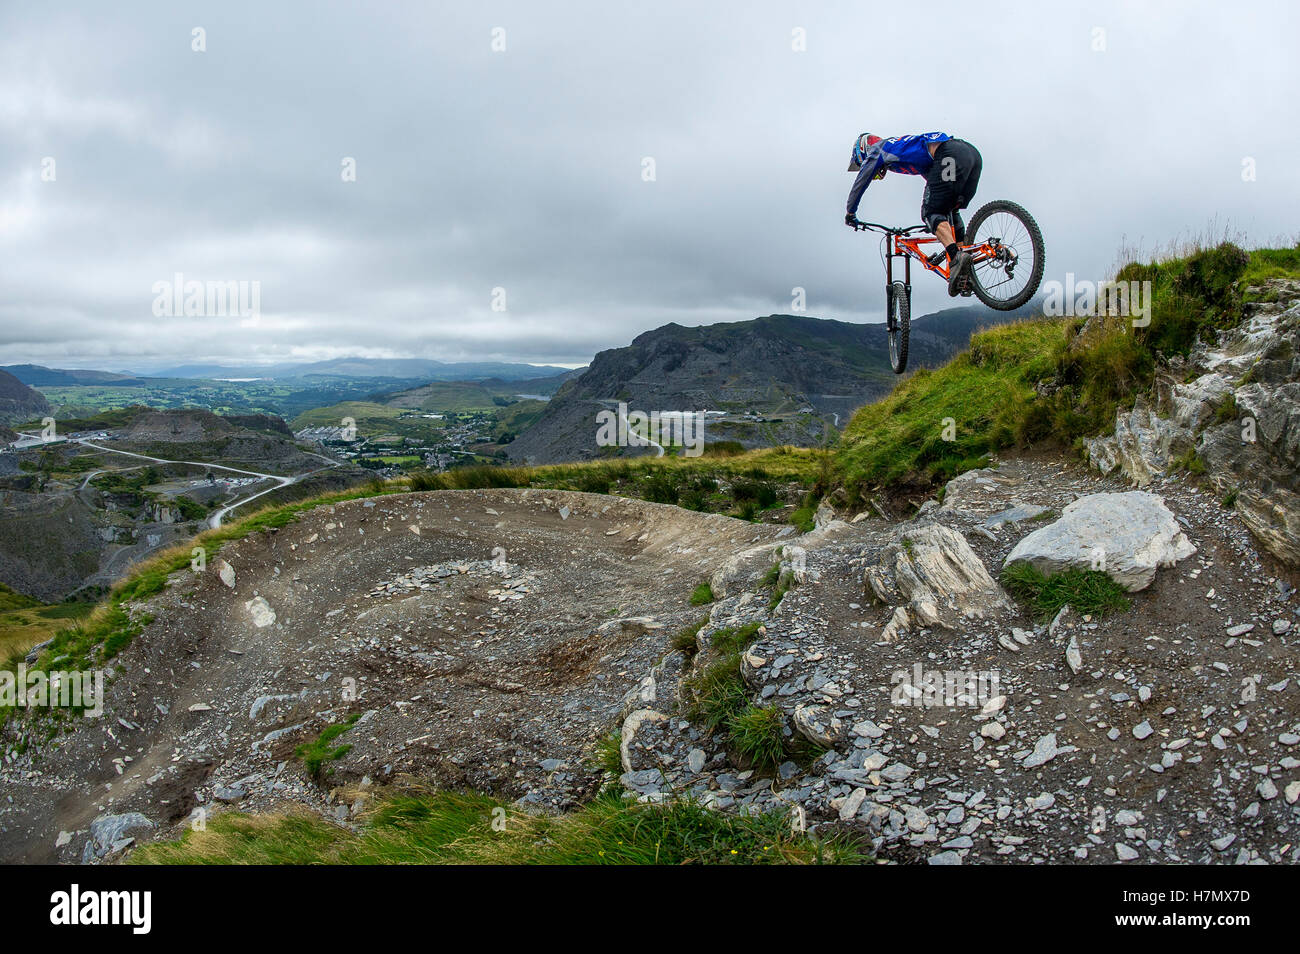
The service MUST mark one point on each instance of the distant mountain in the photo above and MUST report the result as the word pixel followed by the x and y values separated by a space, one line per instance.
pixel 404 369
pixel 407 369
pixel 795 376
pixel 18 402
pixel 37 376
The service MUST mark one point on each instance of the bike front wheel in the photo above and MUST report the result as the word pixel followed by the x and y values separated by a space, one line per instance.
pixel 898 320
pixel 1007 246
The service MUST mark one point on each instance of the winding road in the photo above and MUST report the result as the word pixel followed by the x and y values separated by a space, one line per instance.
pixel 215 520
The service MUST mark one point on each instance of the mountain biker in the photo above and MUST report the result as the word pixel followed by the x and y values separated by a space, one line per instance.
pixel 952 173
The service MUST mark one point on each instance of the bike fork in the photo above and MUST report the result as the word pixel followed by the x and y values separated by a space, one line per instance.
pixel 889 285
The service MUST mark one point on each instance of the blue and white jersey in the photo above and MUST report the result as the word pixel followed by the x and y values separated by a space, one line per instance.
pixel 909 155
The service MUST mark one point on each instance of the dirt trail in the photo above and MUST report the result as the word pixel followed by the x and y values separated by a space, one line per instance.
pixel 482 638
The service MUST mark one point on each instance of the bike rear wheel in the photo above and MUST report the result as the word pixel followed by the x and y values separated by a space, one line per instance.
pixel 898 321
pixel 1010 277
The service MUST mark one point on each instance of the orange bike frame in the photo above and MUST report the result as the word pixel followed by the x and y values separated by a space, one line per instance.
pixel 910 248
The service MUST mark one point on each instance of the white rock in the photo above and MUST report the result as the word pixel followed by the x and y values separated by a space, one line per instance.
pixel 631 725
pixel 1221 844
pixel 1126 535
pixel 852 803
pixel 1073 658
pixel 817 724
pixel 695 761
pixel 917 820
pixel 993 705
pixel 945 858
pixel 1044 751
pixel 868 730
pixel 932 570
pixel 261 611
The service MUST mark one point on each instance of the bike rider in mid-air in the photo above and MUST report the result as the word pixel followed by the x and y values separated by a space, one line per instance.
pixel 952 172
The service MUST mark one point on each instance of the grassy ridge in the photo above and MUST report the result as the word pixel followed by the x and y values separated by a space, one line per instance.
pixel 1054 380
pixel 938 423
pixel 454 828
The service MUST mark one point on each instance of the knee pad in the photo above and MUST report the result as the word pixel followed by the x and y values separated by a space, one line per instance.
pixel 932 220
pixel 958 227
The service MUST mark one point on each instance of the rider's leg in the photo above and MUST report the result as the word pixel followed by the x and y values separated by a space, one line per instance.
pixel 944 233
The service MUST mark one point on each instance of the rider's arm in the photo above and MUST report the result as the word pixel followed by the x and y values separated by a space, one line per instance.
pixel 871 167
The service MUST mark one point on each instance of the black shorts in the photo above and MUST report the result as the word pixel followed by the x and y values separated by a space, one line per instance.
pixel 951 182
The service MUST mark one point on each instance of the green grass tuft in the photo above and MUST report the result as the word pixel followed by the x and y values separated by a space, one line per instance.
pixel 684 640
pixel 609 754
pixel 702 594
pixel 1087 591
pixel 454 828
pixel 784 581
pixel 757 733
pixel 317 753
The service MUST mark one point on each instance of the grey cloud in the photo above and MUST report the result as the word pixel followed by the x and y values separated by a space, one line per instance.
pixel 522 169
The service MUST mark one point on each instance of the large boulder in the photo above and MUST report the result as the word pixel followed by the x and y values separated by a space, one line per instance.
pixel 1128 536
pixel 933 576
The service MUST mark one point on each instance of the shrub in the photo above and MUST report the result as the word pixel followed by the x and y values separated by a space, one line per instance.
pixel 660 488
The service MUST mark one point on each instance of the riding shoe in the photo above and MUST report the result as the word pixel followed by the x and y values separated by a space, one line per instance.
pixel 956 273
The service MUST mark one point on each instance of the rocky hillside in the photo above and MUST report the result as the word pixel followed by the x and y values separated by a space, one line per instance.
pixel 74 515
pixel 874 680
pixel 800 374
pixel 18 402
pixel 257 441
pixel 899 690
pixel 1229 409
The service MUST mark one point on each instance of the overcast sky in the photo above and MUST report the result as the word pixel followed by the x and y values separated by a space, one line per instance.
pixel 522 169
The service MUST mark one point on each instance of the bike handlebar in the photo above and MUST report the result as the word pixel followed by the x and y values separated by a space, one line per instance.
pixel 887 229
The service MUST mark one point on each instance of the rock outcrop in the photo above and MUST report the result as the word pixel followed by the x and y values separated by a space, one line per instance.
pixel 934 578
pixel 1234 407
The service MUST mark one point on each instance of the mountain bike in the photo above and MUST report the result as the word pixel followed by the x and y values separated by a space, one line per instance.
pixel 1006 249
